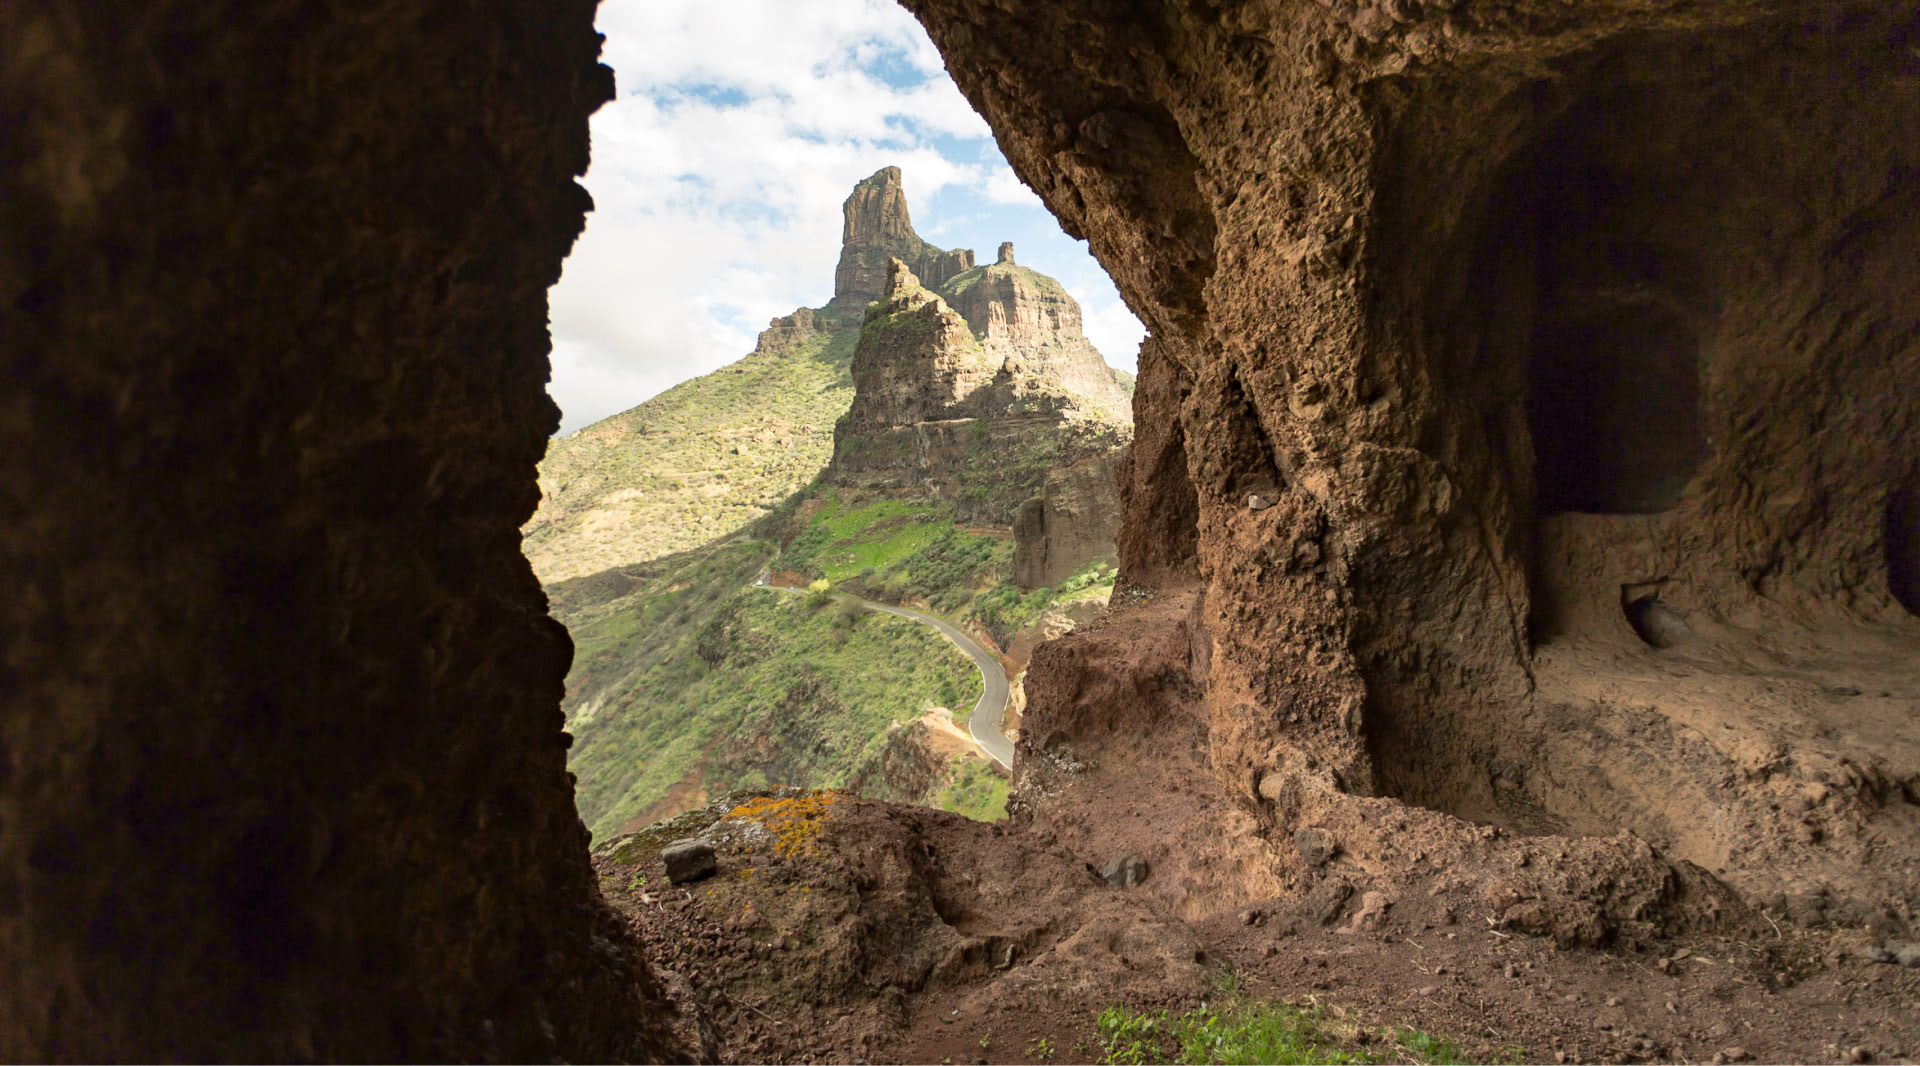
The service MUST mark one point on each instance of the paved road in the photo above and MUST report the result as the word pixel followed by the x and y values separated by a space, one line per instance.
pixel 988 721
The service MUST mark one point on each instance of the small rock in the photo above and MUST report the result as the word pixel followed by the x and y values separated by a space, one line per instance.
pixel 1603 1025
pixel 1427 990
pixel 1327 901
pixel 1511 970
pixel 1857 1054
pixel 1372 913
pixel 1007 954
pixel 779 943
pixel 1257 502
pixel 1908 956
pixel 1560 1056
pixel 688 860
pixel 1734 1053
pixel 1664 965
pixel 1613 1001
pixel 1124 871
pixel 1252 917
pixel 1657 623
pixel 1876 953
pixel 1317 846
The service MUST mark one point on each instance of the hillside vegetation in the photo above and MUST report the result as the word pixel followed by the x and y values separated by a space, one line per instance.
pixel 697 462
pixel 909 552
pixel 689 681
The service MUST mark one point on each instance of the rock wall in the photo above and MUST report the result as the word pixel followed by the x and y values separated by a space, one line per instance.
pixel 1070 524
pixel 876 227
pixel 944 413
pixel 1472 325
pixel 282 773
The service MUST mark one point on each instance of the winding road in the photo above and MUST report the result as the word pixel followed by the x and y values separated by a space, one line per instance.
pixel 987 723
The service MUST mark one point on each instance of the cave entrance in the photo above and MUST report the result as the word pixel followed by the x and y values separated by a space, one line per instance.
pixel 1614 408
pixel 1903 548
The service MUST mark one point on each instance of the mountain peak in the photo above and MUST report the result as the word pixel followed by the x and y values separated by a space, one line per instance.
pixel 877 227
pixel 876 212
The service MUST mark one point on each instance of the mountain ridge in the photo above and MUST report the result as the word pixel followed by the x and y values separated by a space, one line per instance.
pixel 712 454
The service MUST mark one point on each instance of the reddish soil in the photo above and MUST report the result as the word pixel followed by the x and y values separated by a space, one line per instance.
pixel 841 930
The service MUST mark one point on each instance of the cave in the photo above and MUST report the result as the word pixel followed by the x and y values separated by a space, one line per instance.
pixel 1679 263
pixel 1614 368
pixel 1526 313
pixel 1903 548
pixel 282 774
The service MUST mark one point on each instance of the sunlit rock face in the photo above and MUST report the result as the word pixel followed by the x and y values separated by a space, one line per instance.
pixel 282 774
pixel 977 416
pixel 876 228
pixel 1471 329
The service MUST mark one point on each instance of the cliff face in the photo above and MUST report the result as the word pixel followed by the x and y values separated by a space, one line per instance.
pixel 282 774
pixel 1070 524
pixel 977 416
pixel 710 455
pixel 877 228
pixel 1472 329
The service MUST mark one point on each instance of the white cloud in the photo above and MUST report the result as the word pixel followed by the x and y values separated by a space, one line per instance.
pixel 1111 327
pixel 719 171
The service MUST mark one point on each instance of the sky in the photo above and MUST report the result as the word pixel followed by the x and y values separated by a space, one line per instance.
pixel 718 173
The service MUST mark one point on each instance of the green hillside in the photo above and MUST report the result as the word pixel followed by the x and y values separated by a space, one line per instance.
pixel 696 462
pixel 687 680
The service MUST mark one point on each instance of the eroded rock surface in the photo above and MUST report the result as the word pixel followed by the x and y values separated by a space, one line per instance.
pixel 981 408
pixel 1509 316
pixel 281 768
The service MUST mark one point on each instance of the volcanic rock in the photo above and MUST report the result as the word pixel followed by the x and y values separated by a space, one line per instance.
pixel 981 401
pixel 1124 871
pixel 1456 292
pixel 688 860
pixel 1317 846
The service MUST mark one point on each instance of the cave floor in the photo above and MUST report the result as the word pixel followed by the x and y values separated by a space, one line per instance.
pixel 871 932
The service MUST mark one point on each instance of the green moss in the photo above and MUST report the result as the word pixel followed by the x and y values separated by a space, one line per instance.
pixel 1237 1029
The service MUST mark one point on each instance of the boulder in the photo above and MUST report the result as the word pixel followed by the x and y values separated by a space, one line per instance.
pixel 1317 846
pixel 688 860
pixel 1124 871
pixel 1657 623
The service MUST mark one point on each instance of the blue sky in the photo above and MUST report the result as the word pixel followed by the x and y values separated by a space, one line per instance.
pixel 718 174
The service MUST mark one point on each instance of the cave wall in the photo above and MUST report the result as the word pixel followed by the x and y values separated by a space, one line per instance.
pixel 282 773
pixel 1473 321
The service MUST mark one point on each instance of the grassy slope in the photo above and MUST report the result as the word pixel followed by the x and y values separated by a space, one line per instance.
pixel 686 670
pixel 696 462
pixel 685 677
pixel 899 551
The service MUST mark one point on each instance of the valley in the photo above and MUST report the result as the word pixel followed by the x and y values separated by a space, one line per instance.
pixel 960 507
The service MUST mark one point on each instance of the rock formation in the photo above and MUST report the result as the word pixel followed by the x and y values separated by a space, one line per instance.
pixel 1070 524
pixel 1471 324
pixel 710 455
pixel 877 228
pixel 282 775
pixel 976 408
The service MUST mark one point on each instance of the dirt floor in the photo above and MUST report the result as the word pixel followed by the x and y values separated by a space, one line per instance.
pixel 838 930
